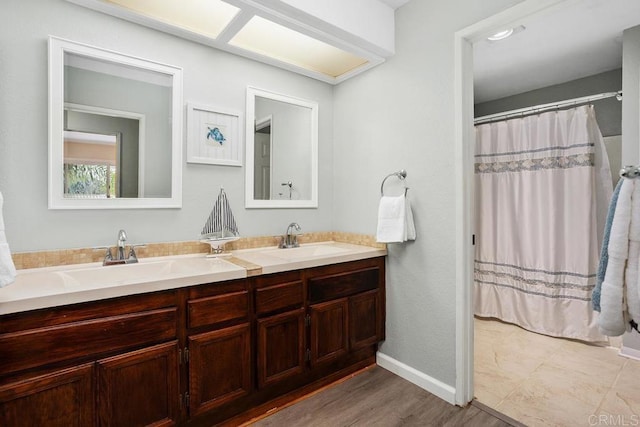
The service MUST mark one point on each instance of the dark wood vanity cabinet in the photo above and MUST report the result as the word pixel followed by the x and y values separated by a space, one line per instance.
pixel 346 308
pixel 193 356
pixel 281 347
pixel 218 350
pixel 328 331
pixel 60 398
pixel 280 326
pixel 139 388
pixel 106 363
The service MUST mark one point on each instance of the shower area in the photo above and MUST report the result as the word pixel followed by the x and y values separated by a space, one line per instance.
pixel 543 183
pixel 544 176
pixel 548 150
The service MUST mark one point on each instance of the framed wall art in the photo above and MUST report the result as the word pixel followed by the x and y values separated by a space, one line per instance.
pixel 213 135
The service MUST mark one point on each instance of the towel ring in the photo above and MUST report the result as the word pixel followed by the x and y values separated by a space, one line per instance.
pixel 401 175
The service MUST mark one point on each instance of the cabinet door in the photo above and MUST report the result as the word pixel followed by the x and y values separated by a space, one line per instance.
pixel 328 331
pixel 64 398
pixel 280 347
pixel 219 367
pixel 139 388
pixel 365 323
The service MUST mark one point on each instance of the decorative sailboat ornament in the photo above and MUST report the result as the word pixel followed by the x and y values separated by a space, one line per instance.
pixel 220 227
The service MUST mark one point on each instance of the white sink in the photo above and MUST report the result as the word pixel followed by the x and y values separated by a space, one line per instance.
pixel 115 275
pixel 311 251
pixel 274 260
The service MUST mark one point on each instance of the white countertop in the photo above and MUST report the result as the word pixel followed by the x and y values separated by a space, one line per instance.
pixel 38 288
pixel 69 284
pixel 274 260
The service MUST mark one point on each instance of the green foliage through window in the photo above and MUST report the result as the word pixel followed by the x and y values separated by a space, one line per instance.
pixel 90 180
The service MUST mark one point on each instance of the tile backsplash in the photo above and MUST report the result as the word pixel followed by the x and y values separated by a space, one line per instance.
pixel 51 258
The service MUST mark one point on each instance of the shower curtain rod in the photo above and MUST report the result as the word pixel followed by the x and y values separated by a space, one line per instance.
pixel 545 107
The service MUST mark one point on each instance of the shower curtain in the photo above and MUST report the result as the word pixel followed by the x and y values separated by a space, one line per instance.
pixel 543 186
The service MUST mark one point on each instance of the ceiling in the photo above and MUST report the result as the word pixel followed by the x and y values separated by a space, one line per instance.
pixel 328 42
pixel 394 4
pixel 580 39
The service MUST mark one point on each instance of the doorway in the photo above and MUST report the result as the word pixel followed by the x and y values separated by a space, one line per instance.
pixel 464 173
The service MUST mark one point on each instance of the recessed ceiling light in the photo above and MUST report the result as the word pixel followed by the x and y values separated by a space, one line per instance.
pixel 501 35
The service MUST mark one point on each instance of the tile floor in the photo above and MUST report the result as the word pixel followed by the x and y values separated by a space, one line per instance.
pixel 544 381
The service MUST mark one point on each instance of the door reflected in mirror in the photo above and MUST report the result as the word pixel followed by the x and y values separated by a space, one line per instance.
pixel 116 130
pixel 282 147
pixel 262 159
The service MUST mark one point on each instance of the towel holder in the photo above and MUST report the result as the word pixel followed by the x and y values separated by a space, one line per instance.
pixel 401 175
pixel 630 172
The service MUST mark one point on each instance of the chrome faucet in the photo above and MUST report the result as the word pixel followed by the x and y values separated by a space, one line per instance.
pixel 290 240
pixel 122 237
pixel 120 257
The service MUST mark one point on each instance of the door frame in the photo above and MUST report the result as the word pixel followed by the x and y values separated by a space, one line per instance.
pixel 464 141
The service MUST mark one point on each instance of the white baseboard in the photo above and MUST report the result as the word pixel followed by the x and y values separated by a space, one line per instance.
pixel 631 353
pixel 422 380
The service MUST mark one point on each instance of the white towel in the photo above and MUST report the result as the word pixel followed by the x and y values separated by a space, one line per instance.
pixel 633 260
pixel 395 220
pixel 611 321
pixel 7 268
pixel 411 227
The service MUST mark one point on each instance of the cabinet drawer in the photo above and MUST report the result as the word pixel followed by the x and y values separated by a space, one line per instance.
pixel 218 309
pixel 278 297
pixel 41 346
pixel 325 288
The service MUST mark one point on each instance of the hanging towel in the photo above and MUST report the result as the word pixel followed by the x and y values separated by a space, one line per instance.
pixel 411 227
pixel 633 260
pixel 395 220
pixel 7 268
pixel 604 253
pixel 612 315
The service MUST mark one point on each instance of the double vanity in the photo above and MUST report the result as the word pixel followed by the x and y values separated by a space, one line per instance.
pixel 186 340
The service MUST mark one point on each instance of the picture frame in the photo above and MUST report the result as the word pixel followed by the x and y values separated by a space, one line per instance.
pixel 214 135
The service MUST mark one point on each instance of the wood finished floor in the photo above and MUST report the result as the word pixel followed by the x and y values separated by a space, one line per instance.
pixel 376 397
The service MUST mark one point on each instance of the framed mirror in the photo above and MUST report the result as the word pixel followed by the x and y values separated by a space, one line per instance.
pixel 281 151
pixel 115 130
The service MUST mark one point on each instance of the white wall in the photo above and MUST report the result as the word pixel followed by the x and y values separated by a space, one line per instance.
pixel 400 115
pixel 211 77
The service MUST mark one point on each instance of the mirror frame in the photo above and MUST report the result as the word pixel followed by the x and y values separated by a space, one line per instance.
pixel 57 48
pixel 252 203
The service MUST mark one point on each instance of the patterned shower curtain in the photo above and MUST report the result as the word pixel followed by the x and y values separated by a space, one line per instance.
pixel 543 186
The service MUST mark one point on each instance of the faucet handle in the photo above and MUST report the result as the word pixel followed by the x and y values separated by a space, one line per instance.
pixel 132 252
pixel 107 254
pixel 108 257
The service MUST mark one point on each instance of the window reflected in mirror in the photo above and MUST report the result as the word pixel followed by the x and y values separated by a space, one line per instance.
pixel 86 131
pixel 90 169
